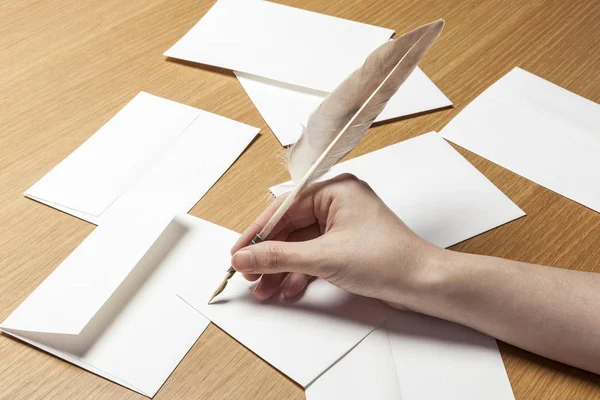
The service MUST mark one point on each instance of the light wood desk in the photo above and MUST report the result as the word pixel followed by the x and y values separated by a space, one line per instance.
pixel 67 66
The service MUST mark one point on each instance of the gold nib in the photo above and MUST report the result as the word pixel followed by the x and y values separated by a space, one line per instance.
pixel 231 272
pixel 221 287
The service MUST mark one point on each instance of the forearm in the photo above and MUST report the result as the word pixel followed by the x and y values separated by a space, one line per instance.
pixel 552 312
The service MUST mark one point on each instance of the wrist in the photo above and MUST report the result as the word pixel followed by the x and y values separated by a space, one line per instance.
pixel 432 281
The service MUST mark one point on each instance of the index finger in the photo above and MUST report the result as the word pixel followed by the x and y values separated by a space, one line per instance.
pixel 255 227
pixel 300 215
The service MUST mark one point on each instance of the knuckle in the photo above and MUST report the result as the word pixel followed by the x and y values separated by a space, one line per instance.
pixel 285 220
pixel 342 183
pixel 367 186
pixel 348 177
pixel 326 261
pixel 321 261
pixel 255 227
pixel 351 183
pixel 278 200
pixel 275 257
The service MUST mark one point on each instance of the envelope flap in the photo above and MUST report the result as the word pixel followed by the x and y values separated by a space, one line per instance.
pixel 93 176
pixel 66 301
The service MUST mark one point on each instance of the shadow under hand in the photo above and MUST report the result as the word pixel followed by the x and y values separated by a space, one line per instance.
pixel 322 300
pixel 434 330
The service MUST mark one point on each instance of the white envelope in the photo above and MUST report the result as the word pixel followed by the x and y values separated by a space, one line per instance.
pixel 111 307
pixel 278 42
pixel 420 357
pixel 538 130
pixel 437 359
pixel 286 108
pixel 435 191
pixel 366 372
pixel 155 151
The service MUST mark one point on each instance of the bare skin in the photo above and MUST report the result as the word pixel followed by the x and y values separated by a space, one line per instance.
pixel 341 231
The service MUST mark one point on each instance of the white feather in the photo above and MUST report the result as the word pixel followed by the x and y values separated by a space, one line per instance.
pixel 344 116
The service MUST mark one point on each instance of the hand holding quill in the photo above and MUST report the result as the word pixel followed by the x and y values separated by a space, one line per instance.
pixel 344 116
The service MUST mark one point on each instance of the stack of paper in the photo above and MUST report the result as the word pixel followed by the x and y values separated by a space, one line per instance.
pixel 538 130
pixel 288 59
pixel 153 153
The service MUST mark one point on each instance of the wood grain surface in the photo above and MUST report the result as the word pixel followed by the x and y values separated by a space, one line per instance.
pixel 66 67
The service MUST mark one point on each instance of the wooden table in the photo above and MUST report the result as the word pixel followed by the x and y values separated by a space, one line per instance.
pixel 66 67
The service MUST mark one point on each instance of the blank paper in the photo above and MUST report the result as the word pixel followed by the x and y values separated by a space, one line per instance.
pixel 538 130
pixel 278 42
pixel 300 339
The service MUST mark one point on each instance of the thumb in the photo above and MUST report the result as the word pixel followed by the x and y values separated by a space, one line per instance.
pixel 273 257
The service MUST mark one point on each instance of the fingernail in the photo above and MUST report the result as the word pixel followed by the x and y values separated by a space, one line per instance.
pixel 287 291
pixel 243 261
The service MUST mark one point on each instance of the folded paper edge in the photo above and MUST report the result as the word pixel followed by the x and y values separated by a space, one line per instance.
pixel 243 76
pixel 72 360
pixel 165 221
pixel 92 219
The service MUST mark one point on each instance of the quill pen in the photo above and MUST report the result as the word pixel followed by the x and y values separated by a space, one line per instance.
pixel 344 116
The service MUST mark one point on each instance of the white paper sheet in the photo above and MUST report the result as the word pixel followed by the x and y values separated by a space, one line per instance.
pixel 302 339
pixel 278 42
pixel 435 191
pixel 366 372
pixel 286 107
pixel 154 151
pixel 437 359
pixel 538 130
pixel 111 306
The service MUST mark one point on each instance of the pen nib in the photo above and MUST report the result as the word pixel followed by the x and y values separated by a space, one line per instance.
pixel 221 287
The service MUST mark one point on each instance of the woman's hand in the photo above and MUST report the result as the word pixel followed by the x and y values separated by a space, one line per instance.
pixel 341 231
